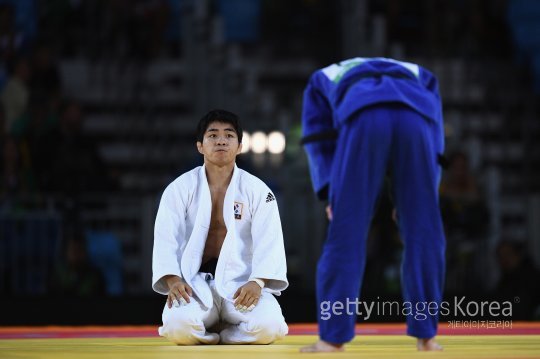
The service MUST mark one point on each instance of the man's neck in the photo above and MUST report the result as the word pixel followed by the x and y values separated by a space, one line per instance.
pixel 219 177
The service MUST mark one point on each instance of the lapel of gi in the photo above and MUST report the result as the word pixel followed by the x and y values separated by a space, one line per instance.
pixel 230 223
pixel 191 260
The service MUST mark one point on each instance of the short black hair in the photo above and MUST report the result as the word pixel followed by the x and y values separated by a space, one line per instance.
pixel 219 116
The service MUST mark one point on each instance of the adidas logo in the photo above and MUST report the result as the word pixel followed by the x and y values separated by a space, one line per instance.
pixel 270 197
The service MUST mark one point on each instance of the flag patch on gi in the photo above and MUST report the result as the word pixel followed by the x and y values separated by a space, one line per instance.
pixel 238 208
pixel 270 197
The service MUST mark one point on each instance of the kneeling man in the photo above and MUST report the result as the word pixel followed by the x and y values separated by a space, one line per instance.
pixel 218 248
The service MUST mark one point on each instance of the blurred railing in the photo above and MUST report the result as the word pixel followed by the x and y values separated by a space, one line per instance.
pixel 118 234
pixel 29 246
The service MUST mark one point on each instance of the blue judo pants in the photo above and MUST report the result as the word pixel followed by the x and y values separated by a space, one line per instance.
pixel 381 138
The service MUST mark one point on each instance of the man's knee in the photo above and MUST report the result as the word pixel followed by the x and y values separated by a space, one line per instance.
pixel 180 326
pixel 267 328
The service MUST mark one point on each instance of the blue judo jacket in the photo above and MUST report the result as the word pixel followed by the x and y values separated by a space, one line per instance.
pixel 337 93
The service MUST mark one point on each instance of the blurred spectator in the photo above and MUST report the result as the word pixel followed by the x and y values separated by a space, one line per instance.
pixel 465 218
pixel 76 166
pixel 105 253
pixel 74 275
pixel 16 93
pixel 292 36
pixel 523 18
pixel 173 31
pixel 45 81
pixel 463 208
pixel 24 17
pixel 241 19
pixel 16 177
pixel 518 279
pixel 154 16
pixel 469 28
pixel 13 42
pixel 37 131
pixel 405 22
pixel 460 183
pixel 63 17
pixel 125 29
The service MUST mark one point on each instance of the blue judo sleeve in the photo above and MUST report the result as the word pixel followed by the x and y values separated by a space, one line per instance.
pixel 379 138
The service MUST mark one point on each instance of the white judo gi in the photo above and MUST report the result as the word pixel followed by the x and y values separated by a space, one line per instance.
pixel 253 248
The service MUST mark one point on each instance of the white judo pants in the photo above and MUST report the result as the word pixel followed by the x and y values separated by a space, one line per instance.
pixel 190 324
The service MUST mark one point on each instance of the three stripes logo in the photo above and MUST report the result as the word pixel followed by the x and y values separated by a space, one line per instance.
pixel 270 197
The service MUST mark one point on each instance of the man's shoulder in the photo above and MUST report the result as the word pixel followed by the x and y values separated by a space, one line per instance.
pixel 255 188
pixel 251 182
pixel 186 179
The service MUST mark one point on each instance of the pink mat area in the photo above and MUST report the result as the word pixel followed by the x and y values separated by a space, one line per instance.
pixel 445 328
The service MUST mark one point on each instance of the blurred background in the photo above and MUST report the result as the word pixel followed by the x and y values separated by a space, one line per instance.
pixel 99 100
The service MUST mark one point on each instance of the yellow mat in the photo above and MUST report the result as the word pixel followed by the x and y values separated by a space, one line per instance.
pixel 368 346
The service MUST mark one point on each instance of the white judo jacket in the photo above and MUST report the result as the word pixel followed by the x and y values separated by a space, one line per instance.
pixel 253 246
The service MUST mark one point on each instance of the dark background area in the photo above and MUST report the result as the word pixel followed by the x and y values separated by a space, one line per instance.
pixel 98 106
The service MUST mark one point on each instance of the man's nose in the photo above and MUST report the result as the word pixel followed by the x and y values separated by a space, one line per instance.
pixel 222 140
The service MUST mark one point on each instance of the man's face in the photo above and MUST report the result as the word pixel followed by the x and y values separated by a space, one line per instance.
pixel 220 144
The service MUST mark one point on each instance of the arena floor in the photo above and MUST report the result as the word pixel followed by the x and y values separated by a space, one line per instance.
pixel 372 341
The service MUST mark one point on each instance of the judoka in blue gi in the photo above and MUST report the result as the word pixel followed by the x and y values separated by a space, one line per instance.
pixel 363 118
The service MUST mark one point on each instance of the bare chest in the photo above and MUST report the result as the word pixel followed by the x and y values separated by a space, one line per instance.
pixel 217 230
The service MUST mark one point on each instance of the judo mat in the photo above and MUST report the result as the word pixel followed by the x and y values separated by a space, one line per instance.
pixel 522 340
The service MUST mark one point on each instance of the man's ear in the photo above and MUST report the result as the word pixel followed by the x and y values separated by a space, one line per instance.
pixel 239 149
pixel 199 147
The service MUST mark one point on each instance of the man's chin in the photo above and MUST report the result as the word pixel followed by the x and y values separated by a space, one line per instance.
pixel 222 162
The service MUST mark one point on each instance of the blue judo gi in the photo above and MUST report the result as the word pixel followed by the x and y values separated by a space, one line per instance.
pixel 362 118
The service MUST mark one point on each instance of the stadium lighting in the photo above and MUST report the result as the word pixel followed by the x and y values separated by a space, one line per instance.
pixel 246 141
pixel 259 142
pixel 276 142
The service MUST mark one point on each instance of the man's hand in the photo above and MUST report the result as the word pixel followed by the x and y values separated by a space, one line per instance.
pixel 247 297
pixel 179 291
pixel 329 213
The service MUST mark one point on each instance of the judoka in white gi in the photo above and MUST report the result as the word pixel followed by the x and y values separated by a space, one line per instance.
pixel 218 248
